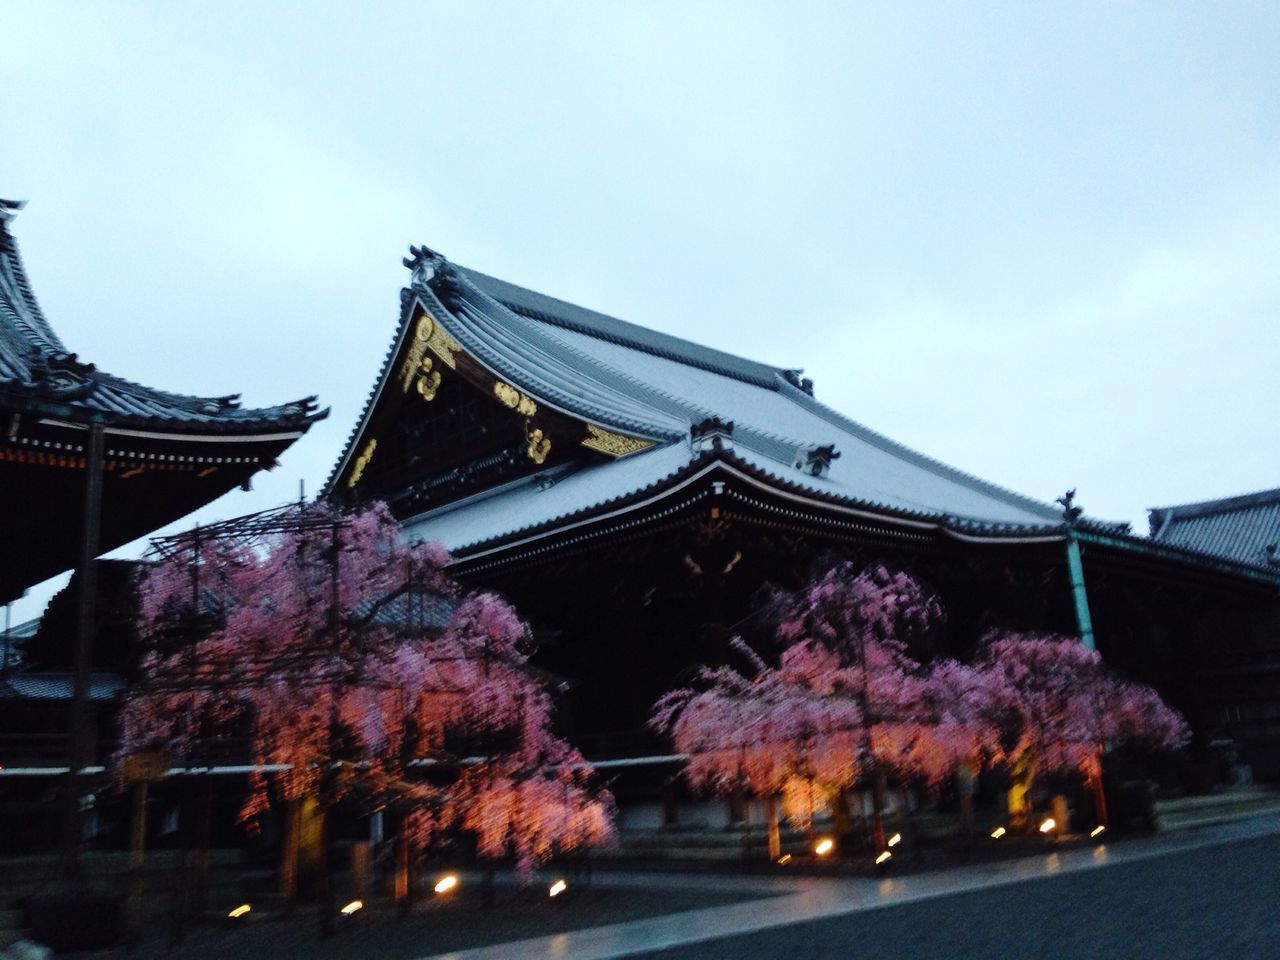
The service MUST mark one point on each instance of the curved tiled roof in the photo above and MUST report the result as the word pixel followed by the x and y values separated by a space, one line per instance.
pixel 39 374
pixel 1243 528
pixel 639 381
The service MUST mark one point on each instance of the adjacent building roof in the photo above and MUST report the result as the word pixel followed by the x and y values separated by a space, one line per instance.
pixel 164 454
pixel 40 375
pixel 57 686
pixel 1243 528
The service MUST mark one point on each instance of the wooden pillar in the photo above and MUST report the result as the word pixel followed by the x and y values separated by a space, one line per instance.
pixel 79 735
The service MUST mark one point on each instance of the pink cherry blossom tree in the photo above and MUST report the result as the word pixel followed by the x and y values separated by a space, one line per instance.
pixel 354 665
pixel 846 700
pixel 1058 707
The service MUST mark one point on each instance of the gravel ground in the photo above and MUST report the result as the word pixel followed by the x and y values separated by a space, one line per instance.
pixel 1220 902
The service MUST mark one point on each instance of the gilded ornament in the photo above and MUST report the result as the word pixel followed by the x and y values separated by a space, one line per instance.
pixel 428 380
pixel 539 446
pixel 513 398
pixel 362 461
pixel 614 444
pixel 428 335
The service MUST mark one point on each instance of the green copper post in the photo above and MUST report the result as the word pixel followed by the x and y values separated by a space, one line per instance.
pixel 1076 566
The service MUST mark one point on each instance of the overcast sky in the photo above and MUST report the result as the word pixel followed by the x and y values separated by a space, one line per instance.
pixel 1038 242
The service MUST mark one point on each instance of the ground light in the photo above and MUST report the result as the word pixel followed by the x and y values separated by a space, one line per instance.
pixel 446 883
pixel 239 911
pixel 884 858
pixel 998 832
pixel 352 907
pixel 557 888
pixel 1097 831
pixel 824 846
pixel 1048 825
pixel 894 840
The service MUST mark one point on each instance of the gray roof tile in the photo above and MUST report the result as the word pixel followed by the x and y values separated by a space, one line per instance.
pixel 57 686
pixel 1244 528
pixel 38 372
pixel 643 382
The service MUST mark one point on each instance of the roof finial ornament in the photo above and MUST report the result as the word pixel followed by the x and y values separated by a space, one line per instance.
pixel 8 210
pixel 712 433
pixel 793 377
pixel 816 460
pixel 1070 512
pixel 425 263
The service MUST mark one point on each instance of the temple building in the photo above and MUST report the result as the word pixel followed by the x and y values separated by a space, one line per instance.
pixel 164 454
pixel 1246 529
pixel 90 461
pixel 636 495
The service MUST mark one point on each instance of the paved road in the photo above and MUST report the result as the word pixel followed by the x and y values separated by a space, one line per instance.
pixel 1203 904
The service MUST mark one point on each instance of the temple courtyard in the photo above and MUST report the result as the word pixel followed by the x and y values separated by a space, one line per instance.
pixel 1196 893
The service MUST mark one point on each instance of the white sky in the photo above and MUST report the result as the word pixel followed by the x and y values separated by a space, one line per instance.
pixel 1038 242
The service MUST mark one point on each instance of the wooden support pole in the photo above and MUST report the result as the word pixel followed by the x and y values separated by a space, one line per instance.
pixel 204 818
pixel 137 856
pixel 182 888
pixel 79 736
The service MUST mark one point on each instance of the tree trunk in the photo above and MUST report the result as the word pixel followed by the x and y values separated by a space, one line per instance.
pixel 775 832
pixel 324 876
pixel 137 856
pixel 966 781
pixel 879 788
pixel 1020 795
pixel 181 893
pixel 204 817
pixel 402 871
pixel 290 842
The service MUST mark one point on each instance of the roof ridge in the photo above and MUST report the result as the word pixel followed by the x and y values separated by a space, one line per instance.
pixel 625 333
pixel 472 323
pixel 694 411
pixel 1204 508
